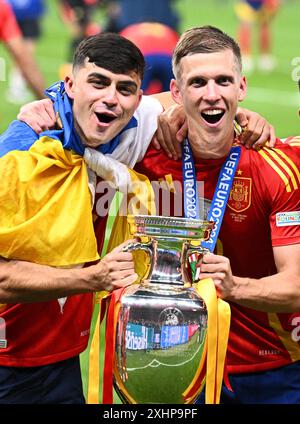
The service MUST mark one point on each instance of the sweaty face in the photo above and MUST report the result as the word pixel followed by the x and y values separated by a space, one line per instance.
pixel 209 87
pixel 103 102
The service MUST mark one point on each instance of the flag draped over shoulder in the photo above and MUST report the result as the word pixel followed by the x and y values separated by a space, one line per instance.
pixel 45 203
pixel 45 206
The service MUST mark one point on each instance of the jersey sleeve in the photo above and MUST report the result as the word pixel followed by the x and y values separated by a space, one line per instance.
pixel 18 136
pixel 293 141
pixel 9 28
pixel 284 189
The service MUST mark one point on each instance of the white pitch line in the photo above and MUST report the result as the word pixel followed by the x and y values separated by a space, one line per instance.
pixel 155 363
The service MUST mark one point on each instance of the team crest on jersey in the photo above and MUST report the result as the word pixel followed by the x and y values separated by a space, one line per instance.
pixel 240 194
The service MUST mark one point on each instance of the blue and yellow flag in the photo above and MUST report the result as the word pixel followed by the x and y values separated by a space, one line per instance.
pixel 45 203
pixel 45 206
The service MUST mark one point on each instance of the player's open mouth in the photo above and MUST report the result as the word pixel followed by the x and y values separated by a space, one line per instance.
pixel 105 118
pixel 212 116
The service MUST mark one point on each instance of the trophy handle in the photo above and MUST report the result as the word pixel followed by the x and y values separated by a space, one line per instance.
pixel 198 250
pixel 146 247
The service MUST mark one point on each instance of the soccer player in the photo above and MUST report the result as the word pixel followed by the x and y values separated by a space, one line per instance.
pixel 123 13
pixel 256 263
pixel 260 13
pixel 46 204
pixel 78 15
pixel 11 36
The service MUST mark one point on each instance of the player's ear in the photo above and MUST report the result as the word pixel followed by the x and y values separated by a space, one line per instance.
pixel 243 89
pixel 69 86
pixel 139 98
pixel 174 87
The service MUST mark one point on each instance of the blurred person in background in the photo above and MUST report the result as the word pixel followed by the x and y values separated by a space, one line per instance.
pixel 157 42
pixel 122 13
pixel 28 14
pixel 256 13
pixel 78 15
pixel 11 36
pixel 153 27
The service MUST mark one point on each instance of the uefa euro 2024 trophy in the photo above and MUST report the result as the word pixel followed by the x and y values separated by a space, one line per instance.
pixel 162 324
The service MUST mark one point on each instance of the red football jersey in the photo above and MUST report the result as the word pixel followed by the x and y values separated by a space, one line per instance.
pixel 46 332
pixel 263 210
pixel 8 25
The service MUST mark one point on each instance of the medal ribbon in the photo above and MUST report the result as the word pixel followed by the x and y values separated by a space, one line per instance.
pixel 190 189
pixel 218 323
pixel 221 195
pixel 222 191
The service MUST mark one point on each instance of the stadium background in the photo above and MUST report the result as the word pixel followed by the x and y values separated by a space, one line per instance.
pixel 273 95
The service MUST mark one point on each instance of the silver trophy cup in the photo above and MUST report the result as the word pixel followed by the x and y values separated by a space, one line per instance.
pixel 162 323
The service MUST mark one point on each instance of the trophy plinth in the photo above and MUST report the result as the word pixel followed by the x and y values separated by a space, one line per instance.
pixel 162 324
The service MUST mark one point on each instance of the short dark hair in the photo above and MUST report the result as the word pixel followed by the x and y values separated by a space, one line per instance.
pixel 112 52
pixel 206 39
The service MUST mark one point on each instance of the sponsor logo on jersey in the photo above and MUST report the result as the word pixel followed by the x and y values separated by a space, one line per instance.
pixel 284 219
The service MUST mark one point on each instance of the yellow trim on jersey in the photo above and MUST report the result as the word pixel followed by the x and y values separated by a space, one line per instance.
pixel 292 347
pixel 276 169
pixel 294 141
pixel 284 166
pixel 290 162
